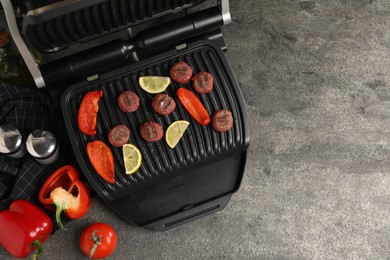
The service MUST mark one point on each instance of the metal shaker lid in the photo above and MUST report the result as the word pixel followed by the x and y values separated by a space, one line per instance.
pixel 41 143
pixel 10 139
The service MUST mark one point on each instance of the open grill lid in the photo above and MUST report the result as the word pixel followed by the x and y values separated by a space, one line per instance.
pixel 50 26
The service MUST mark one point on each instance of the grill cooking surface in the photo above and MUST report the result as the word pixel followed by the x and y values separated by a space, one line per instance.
pixel 200 144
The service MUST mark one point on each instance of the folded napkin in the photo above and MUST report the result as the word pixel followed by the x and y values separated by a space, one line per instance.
pixel 28 109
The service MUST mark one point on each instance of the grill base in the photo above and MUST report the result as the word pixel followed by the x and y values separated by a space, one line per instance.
pixel 191 214
pixel 184 198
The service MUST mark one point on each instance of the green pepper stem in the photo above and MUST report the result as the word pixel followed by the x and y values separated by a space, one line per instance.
pixel 39 246
pixel 59 211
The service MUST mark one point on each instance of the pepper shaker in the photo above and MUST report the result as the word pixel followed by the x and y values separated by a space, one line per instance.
pixel 11 141
pixel 42 145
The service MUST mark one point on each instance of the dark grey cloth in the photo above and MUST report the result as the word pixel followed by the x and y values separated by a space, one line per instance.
pixel 29 109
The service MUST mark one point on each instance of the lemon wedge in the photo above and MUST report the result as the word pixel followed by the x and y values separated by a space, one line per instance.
pixel 175 132
pixel 154 84
pixel 132 158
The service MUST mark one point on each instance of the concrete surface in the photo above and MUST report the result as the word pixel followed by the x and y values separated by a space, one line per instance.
pixel 315 76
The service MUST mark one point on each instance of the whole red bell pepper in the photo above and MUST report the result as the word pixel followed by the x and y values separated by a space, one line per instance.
pixel 24 227
pixel 193 106
pixel 65 194
pixel 88 112
pixel 102 160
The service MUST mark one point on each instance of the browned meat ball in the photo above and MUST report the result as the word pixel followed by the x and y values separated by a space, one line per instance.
pixel 119 135
pixel 222 120
pixel 181 72
pixel 151 131
pixel 163 104
pixel 128 101
pixel 202 82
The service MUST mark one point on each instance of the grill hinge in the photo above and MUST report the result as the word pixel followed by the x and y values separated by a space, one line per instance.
pixel 225 11
pixel 22 47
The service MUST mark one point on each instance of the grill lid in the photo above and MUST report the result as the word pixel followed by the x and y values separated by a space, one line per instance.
pixel 199 145
pixel 60 24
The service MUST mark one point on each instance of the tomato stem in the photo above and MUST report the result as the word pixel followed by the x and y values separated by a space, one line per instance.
pixel 97 241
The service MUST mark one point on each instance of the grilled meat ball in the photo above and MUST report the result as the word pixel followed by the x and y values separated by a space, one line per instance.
pixel 119 135
pixel 181 72
pixel 151 131
pixel 163 104
pixel 222 120
pixel 202 82
pixel 128 101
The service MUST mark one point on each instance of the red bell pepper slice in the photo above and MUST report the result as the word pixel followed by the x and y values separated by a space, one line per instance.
pixel 193 106
pixel 24 227
pixel 102 160
pixel 88 112
pixel 65 194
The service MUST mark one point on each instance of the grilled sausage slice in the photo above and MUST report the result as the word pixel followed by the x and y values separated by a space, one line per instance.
pixel 203 82
pixel 163 104
pixel 119 135
pixel 151 131
pixel 181 72
pixel 222 120
pixel 128 101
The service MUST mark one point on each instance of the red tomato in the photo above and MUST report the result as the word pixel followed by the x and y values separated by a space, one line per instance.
pixel 98 240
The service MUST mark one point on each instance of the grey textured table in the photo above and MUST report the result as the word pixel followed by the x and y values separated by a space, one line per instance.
pixel 315 76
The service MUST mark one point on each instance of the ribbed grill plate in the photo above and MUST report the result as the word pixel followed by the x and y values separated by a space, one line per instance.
pixel 200 145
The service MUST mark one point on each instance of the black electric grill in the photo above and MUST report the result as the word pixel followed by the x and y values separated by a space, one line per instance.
pixel 172 186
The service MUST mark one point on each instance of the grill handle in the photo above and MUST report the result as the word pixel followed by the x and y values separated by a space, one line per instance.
pixel 87 63
pixel 106 57
pixel 179 30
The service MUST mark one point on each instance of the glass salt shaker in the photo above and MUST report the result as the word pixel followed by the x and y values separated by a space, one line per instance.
pixel 11 141
pixel 42 145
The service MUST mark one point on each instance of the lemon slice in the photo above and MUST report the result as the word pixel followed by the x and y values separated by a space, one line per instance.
pixel 154 84
pixel 132 158
pixel 175 131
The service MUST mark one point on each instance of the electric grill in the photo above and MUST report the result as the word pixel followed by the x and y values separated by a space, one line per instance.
pixel 172 186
